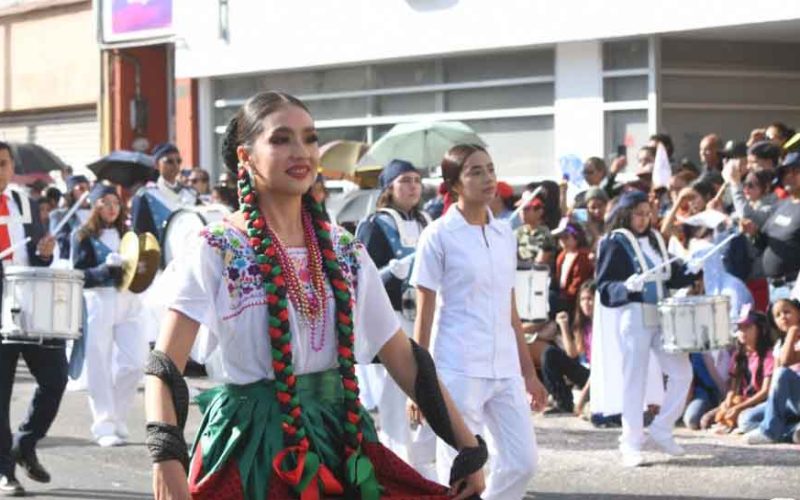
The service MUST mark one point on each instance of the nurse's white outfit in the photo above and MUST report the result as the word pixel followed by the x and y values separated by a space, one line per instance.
pixel 472 270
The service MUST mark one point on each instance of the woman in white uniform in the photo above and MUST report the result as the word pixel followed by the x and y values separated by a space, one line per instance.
pixel 628 321
pixel 390 236
pixel 115 347
pixel 464 273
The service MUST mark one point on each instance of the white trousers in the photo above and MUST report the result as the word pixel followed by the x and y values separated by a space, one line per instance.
pixel 116 353
pixel 500 407
pixel 637 341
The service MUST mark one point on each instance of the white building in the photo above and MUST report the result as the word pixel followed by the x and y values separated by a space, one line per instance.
pixel 537 79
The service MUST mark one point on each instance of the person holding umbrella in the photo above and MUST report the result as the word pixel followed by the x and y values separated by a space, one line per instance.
pixel 47 362
pixel 152 205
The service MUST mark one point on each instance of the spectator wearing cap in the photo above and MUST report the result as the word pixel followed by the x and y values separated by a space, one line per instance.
pixel 502 205
pixel 152 205
pixel 535 243
pixel 573 264
pixel 77 186
pixel 779 238
pixel 709 152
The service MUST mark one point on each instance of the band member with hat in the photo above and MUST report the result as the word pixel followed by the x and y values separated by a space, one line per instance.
pixel 391 235
pixel 47 362
pixel 112 318
pixel 153 204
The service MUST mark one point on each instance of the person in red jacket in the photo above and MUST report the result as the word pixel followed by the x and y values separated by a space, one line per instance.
pixel 573 264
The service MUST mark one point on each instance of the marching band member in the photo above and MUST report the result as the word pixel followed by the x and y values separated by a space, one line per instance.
pixel 116 349
pixel 19 218
pixel 464 272
pixel 152 205
pixel 291 301
pixel 77 185
pixel 390 236
pixel 628 324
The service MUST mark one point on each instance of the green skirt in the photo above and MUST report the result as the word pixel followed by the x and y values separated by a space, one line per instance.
pixel 238 452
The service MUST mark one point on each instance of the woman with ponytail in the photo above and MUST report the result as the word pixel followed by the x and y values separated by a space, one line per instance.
pixel 292 302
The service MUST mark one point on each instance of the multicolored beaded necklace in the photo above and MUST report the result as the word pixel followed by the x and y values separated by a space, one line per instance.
pixel 297 453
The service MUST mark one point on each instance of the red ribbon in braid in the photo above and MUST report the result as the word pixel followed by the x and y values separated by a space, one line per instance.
pixel 308 468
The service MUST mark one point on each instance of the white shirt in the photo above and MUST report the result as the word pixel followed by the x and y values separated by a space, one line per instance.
pixel 16 229
pixel 220 286
pixel 472 270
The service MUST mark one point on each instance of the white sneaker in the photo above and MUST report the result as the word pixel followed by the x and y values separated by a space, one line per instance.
pixel 108 441
pixel 631 458
pixel 796 435
pixel 669 446
pixel 757 437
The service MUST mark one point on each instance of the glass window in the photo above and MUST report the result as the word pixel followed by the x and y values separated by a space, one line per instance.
pixel 405 104
pixel 730 90
pixel 523 96
pixel 407 74
pixel 327 135
pixel 519 146
pixel 628 128
pixel 629 88
pixel 338 108
pixel 625 54
pixel 728 55
pixel 495 66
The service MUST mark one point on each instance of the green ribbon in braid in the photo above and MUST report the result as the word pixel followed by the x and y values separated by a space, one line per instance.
pixel 298 464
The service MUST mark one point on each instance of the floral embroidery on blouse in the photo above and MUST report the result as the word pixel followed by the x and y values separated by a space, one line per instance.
pixel 242 277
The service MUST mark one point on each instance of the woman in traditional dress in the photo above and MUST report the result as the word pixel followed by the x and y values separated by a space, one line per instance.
pixel 292 301
pixel 627 328
pixel 390 236
pixel 116 349
pixel 464 272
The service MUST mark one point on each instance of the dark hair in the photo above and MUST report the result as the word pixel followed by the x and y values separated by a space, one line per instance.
pixel 763 179
pixel 621 219
pixel 94 224
pixel 596 162
pixel 247 124
pixel 687 176
pixel 53 195
pixel 7 147
pixel 704 188
pixel 784 130
pixel 666 140
pixel 763 346
pixel 228 196
pixel 650 150
pixel 453 162
pixel 792 302
pixel 687 165
pixel 580 320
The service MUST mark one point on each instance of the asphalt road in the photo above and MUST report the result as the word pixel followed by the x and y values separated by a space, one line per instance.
pixel 576 461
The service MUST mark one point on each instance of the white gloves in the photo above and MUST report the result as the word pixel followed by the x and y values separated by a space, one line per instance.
pixel 114 260
pixel 694 266
pixel 400 268
pixel 635 283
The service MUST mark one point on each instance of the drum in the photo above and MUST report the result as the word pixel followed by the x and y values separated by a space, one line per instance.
pixel 531 289
pixel 185 223
pixel 41 303
pixel 695 324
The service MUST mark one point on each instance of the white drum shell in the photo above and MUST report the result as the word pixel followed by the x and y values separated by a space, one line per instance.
pixel 695 324
pixel 184 224
pixel 531 290
pixel 40 303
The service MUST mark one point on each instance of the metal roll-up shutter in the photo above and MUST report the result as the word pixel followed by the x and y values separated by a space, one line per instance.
pixel 72 135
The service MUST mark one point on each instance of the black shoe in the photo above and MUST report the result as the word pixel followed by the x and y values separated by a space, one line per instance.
pixel 10 487
pixel 30 463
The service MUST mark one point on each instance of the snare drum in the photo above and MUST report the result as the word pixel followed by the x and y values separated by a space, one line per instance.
pixel 40 303
pixel 531 290
pixel 183 224
pixel 695 324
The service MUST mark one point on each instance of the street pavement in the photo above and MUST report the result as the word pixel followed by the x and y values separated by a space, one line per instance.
pixel 576 461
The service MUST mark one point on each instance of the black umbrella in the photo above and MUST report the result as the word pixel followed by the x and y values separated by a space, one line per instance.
pixel 125 168
pixel 32 158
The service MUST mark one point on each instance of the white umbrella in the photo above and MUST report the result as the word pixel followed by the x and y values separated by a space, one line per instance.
pixel 421 143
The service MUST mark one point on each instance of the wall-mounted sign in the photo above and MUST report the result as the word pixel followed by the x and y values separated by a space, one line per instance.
pixel 125 20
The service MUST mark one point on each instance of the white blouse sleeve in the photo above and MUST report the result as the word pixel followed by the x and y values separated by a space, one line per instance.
pixel 429 260
pixel 374 319
pixel 197 280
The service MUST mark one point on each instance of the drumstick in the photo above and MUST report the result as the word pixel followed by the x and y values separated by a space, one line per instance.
pixel 703 258
pixel 8 251
pixel 67 216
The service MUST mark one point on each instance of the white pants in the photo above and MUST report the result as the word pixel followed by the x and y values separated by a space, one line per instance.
pixel 113 374
pixel 500 406
pixel 636 343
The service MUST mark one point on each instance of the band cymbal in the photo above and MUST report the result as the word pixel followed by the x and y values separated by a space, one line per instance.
pixel 141 255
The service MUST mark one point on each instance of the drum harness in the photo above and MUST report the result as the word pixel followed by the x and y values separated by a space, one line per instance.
pixel 649 311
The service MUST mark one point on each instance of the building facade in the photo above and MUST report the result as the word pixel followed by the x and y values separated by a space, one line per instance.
pixel 538 80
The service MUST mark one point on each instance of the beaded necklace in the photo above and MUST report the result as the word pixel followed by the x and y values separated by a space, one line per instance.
pixel 275 287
